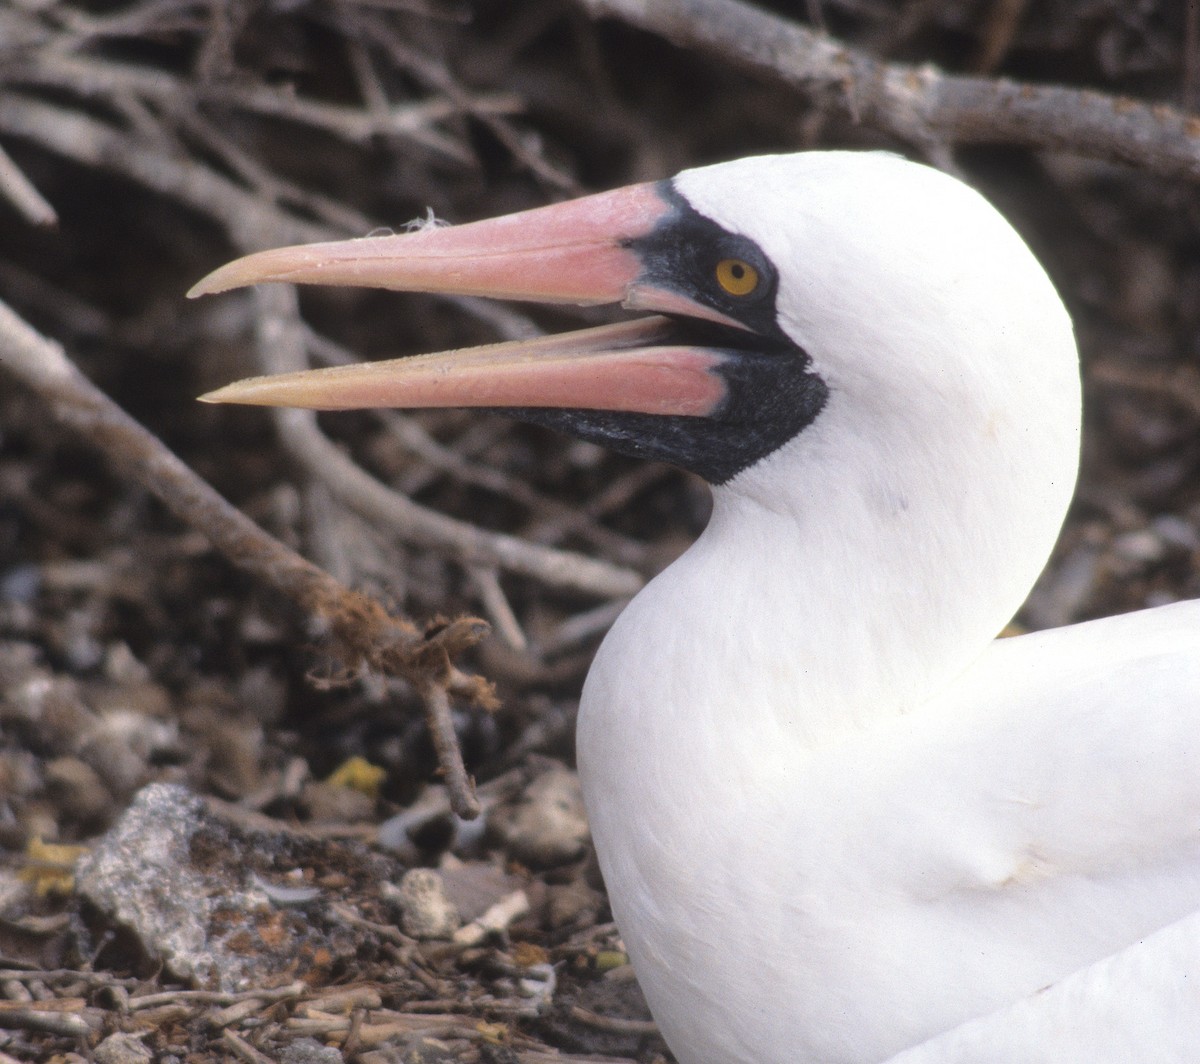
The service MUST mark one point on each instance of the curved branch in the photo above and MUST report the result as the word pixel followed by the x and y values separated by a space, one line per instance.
pixel 921 104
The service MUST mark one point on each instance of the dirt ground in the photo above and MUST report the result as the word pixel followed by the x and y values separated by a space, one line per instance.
pixel 146 143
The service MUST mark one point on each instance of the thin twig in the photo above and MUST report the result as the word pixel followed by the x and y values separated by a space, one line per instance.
pixel 617 1024
pixel 1180 384
pixel 267 183
pixel 215 997
pixel 96 144
pixel 71 1025
pixel 999 30
pixel 498 608
pixel 438 77
pixel 23 194
pixel 580 628
pixel 920 104
pixel 445 742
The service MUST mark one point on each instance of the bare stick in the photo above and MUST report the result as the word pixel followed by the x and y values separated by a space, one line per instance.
pixel 619 1024
pixel 920 104
pixel 243 1050
pixel 91 142
pixel 498 608
pixel 445 742
pixel 48 1021
pixel 439 78
pixel 1180 384
pixel 22 194
pixel 215 997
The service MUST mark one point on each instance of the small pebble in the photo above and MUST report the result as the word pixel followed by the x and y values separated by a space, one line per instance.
pixel 1141 547
pixel 573 903
pixel 78 791
pixel 546 825
pixel 122 1048
pixel 426 911
pixel 122 667
pixel 1177 531
pixel 21 583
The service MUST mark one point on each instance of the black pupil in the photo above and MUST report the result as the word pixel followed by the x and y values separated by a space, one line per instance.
pixel 738 270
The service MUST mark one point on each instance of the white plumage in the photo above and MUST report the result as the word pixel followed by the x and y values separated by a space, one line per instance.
pixel 838 821
pixel 834 818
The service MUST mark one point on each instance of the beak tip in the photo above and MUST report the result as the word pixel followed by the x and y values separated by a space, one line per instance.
pixel 283 389
pixel 212 284
pixel 258 268
pixel 237 392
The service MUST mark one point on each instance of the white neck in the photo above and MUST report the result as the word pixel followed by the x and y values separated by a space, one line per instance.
pixel 843 580
pixel 846 578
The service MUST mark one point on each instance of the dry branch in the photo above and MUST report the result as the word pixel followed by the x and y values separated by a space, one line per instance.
pixel 97 78
pixel 920 104
pixel 156 166
pixel 363 633
pixel 22 194
pixel 156 106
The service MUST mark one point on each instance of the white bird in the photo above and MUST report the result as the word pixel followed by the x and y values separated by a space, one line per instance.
pixel 836 819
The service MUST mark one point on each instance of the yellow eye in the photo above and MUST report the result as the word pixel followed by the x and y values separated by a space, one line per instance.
pixel 737 277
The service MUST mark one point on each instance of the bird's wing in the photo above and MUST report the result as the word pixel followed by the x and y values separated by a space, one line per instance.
pixel 1142 1003
pixel 1050 798
pixel 1084 742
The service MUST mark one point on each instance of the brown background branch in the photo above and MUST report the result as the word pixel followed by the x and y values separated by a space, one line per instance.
pixel 919 103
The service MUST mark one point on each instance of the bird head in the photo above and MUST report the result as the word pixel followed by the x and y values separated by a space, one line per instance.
pixel 782 290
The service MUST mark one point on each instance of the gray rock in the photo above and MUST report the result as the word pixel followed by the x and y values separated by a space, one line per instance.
pixel 140 874
pixel 226 907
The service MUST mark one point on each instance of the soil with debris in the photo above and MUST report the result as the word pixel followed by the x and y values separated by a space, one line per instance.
pixel 218 839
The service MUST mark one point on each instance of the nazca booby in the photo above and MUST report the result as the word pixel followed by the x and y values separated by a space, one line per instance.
pixel 835 817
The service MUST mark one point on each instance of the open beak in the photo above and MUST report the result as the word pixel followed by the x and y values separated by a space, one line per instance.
pixel 582 252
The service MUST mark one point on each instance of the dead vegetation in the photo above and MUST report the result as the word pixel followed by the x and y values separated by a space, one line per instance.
pixel 151 631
